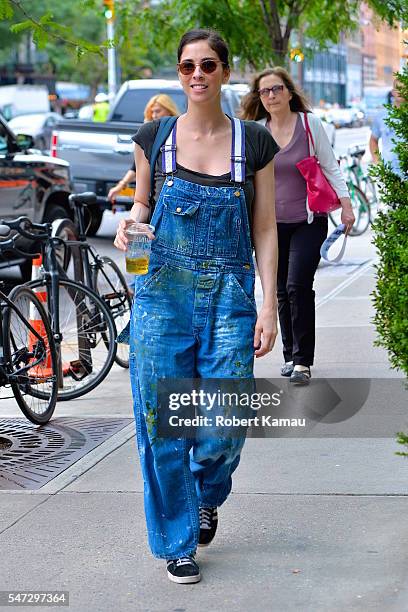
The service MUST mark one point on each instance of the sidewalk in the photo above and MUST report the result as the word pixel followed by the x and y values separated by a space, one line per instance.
pixel 312 525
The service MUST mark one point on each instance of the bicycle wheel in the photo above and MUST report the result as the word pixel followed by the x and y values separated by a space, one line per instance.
pixel 30 353
pixel 335 217
pixel 361 210
pixel 111 286
pixel 370 191
pixel 87 348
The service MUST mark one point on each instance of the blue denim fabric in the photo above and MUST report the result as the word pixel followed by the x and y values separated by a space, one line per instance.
pixel 193 316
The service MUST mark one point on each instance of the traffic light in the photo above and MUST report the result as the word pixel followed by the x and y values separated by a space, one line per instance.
pixel 296 55
pixel 109 9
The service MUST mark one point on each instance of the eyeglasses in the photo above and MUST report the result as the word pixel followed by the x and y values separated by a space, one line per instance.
pixel 265 91
pixel 207 66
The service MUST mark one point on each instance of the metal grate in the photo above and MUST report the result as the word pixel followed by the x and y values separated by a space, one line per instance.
pixel 31 456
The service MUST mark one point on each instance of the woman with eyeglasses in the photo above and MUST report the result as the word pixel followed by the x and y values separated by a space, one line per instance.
pixel 275 102
pixel 194 314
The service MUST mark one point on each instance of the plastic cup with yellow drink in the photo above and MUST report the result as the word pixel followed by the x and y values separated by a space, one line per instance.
pixel 139 247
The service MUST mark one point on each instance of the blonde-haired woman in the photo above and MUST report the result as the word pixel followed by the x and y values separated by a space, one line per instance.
pixel 160 105
pixel 276 102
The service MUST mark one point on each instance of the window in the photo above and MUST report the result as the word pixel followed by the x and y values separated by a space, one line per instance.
pixel 132 104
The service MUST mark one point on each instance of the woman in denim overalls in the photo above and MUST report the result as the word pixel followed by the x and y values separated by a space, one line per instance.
pixel 194 313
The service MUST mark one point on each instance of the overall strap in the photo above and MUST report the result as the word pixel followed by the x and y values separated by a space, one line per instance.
pixel 168 152
pixel 238 159
pixel 165 128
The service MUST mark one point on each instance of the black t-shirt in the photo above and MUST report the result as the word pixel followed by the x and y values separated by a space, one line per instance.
pixel 260 148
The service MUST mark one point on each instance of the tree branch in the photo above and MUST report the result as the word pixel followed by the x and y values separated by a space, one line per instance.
pixel 295 9
pixel 250 59
pixel 277 33
pixel 267 19
pixel 39 26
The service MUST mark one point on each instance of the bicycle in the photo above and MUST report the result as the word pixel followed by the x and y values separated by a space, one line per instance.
pixel 83 328
pixel 28 355
pixel 360 178
pixel 360 205
pixel 99 273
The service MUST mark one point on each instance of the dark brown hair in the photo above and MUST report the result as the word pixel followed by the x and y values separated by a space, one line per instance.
pixel 215 41
pixel 251 105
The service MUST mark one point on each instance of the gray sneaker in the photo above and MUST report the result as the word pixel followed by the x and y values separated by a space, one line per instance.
pixel 300 378
pixel 287 368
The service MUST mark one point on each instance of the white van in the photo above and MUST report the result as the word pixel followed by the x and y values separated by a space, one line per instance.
pixel 23 99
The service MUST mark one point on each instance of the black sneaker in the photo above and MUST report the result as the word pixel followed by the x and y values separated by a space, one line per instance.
pixel 183 570
pixel 208 525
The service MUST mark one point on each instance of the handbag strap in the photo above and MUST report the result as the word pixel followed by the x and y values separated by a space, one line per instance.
pixel 309 133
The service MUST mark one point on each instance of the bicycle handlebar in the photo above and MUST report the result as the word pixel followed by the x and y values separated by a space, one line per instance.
pixel 43 229
pixel 356 151
pixel 89 198
pixel 10 245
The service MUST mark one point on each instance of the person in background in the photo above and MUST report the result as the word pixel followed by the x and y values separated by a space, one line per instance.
pixel 101 108
pixel 381 131
pixel 276 102
pixel 160 105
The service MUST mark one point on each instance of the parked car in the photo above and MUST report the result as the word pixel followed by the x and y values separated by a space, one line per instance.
pixel 39 126
pixel 22 99
pixel 31 184
pixel 101 153
pixel 349 116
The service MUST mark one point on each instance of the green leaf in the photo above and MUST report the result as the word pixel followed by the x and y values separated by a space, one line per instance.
pixel 40 38
pixel 46 19
pixel 22 26
pixel 6 10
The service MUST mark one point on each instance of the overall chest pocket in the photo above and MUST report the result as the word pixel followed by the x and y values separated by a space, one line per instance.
pixel 178 224
pixel 224 231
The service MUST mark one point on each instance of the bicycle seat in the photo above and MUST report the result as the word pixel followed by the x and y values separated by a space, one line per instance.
pixel 357 152
pixel 88 198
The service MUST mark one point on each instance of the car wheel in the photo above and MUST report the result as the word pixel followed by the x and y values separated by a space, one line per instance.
pixel 55 211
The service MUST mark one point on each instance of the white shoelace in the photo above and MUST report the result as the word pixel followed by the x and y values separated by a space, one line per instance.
pixel 206 516
pixel 184 561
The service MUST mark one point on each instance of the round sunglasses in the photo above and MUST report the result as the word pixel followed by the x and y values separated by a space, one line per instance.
pixel 207 66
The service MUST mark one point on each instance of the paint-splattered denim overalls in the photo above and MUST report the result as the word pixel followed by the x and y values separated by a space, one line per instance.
pixel 193 316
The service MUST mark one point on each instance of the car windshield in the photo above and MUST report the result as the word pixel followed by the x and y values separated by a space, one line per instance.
pixel 132 104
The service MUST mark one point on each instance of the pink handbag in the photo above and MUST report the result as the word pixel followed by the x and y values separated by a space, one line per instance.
pixel 321 196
